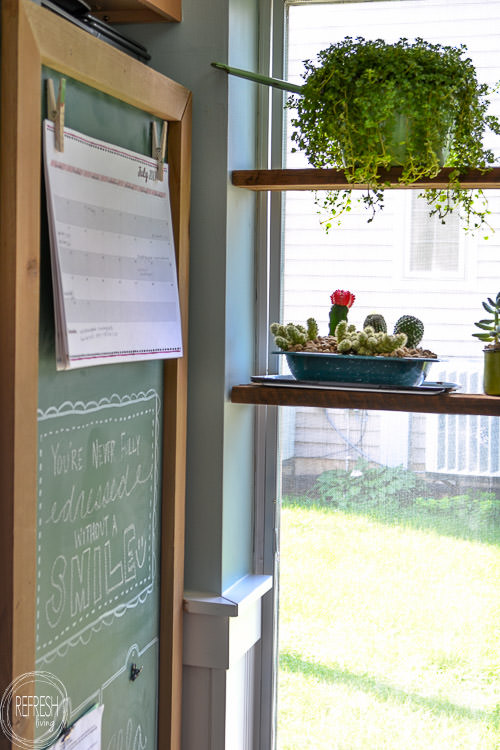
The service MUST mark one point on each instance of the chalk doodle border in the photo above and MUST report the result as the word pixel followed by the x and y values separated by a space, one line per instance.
pixel 146 402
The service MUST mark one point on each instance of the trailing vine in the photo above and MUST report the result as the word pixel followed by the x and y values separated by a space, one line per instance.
pixel 369 105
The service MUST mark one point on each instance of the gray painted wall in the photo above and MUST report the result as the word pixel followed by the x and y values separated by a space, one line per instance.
pixel 222 290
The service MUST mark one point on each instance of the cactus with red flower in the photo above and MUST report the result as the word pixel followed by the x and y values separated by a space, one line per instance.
pixel 373 339
pixel 341 302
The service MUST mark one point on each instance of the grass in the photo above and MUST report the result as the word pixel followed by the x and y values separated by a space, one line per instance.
pixel 389 636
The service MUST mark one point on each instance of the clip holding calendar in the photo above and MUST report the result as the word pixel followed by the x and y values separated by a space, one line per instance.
pixel 83 734
pixel 159 148
pixel 133 220
pixel 55 110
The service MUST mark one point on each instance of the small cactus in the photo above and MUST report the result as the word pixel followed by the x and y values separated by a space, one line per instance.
pixel 296 334
pixel 341 302
pixel 282 343
pixel 368 341
pixel 312 329
pixel 292 335
pixel 413 327
pixel 377 322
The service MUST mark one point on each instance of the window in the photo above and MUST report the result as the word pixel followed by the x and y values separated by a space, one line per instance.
pixel 404 260
pixel 434 248
pixel 371 666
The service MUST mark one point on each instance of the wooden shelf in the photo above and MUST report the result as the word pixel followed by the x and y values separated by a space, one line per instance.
pixel 446 403
pixel 137 11
pixel 331 179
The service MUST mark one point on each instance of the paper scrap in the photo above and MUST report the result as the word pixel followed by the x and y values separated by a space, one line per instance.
pixel 84 734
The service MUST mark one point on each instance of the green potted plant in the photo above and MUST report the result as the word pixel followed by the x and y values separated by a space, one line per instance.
pixel 369 105
pixel 346 354
pixel 490 333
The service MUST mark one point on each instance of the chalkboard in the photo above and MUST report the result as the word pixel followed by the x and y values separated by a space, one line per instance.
pixel 86 601
pixel 99 488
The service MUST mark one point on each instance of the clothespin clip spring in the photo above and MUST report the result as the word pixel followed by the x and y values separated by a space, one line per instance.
pixel 65 732
pixel 135 672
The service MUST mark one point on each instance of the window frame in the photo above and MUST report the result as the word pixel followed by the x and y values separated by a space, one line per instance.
pixel 269 308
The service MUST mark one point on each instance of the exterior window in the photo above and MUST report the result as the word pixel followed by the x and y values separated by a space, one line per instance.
pixel 434 248
pixel 375 505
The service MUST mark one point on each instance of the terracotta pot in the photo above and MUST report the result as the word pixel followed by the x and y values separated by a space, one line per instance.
pixel 491 375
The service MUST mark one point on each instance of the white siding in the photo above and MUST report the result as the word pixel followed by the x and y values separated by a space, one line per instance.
pixel 369 258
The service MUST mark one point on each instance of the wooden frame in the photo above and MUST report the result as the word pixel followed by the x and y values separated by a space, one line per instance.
pixel 32 37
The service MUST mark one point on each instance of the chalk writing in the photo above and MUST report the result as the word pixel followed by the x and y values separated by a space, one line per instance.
pixel 103 453
pixel 91 532
pixel 130 739
pixel 67 458
pixel 97 519
pixel 84 503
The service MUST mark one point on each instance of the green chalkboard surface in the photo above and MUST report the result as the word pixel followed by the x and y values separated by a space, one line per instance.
pixel 99 442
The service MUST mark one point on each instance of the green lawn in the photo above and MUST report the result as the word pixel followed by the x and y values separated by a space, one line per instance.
pixel 389 636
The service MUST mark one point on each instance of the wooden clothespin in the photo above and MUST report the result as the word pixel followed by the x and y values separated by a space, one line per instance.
pixel 55 111
pixel 159 149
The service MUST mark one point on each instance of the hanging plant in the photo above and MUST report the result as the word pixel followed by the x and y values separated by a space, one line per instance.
pixel 369 105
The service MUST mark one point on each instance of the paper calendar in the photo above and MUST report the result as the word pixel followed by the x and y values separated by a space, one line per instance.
pixel 112 252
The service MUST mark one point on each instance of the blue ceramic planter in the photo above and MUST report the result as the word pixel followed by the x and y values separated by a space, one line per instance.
pixel 356 368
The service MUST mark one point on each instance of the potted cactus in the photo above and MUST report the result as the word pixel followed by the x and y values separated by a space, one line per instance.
pixel 346 354
pixel 490 333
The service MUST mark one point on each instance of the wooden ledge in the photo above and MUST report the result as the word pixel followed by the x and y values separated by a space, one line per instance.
pixel 446 403
pixel 137 11
pixel 331 179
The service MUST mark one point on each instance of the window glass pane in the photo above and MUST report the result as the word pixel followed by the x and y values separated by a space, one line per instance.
pixel 389 596
pixel 390 535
